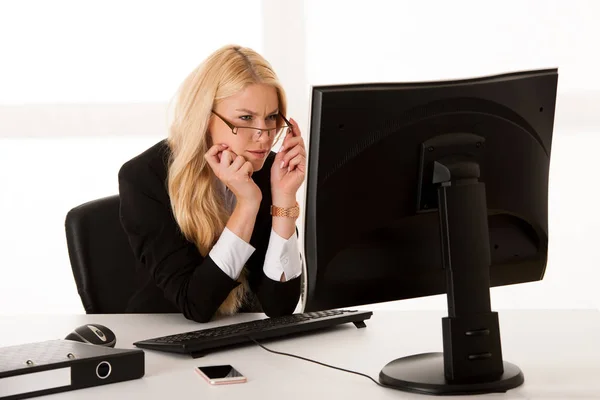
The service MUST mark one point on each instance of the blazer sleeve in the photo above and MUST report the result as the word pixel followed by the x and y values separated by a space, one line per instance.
pixel 195 284
pixel 276 298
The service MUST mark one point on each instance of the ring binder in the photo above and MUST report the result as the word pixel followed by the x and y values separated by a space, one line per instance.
pixel 53 366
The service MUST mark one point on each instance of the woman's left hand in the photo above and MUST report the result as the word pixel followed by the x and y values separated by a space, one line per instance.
pixel 289 168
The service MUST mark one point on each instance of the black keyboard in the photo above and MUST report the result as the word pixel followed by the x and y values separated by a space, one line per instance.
pixel 198 343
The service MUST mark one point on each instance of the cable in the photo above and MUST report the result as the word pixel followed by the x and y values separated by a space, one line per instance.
pixel 316 362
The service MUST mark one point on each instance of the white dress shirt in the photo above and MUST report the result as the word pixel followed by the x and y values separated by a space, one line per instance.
pixel 231 252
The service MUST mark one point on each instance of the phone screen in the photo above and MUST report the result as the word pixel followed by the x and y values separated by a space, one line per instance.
pixel 220 372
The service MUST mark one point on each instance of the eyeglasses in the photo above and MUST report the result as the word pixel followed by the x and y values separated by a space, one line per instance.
pixel 255 133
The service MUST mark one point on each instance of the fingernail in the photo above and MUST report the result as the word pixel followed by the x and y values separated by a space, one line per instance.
pixel 289 168
pixel 224 145
pixel 282 164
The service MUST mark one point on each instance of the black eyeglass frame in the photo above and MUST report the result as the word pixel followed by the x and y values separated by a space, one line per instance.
pixel 234 128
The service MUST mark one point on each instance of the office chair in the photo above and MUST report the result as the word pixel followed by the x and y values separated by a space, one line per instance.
pixel 102 261
pixel 103 264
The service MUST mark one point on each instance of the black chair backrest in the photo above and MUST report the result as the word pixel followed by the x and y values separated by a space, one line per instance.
pixel 103 264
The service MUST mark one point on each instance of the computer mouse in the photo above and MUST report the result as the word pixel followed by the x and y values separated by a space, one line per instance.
pixel 93 334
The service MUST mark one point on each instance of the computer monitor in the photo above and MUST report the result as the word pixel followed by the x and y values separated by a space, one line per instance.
pixel 417 189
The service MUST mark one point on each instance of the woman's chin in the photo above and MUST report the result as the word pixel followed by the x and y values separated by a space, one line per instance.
pixel 257 165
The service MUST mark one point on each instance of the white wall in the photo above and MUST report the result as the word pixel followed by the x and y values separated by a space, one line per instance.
pixel 354 41
pixel 83 87
pixel 115 51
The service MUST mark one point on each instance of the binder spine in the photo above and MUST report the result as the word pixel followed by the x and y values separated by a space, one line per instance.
pixel 84 373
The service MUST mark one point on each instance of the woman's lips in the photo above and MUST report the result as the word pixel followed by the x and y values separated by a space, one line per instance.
pixel 258 153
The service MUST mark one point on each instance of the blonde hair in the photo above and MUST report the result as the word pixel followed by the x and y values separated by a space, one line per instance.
pixel 196 200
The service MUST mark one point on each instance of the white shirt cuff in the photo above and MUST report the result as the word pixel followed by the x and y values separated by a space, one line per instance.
pixel 230 253
pixel 283 257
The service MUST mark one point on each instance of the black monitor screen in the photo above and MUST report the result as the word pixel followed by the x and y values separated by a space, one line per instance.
pixel 372 227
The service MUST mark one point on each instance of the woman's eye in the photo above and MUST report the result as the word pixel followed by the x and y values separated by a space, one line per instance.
pixel 273 117
pixel 246 117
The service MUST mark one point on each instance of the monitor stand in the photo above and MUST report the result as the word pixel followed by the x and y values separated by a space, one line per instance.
pixel 471 362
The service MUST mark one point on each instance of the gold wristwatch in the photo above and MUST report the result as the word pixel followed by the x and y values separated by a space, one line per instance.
pixel 292 212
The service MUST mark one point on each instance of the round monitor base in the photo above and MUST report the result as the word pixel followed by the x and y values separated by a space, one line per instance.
pixel 424 373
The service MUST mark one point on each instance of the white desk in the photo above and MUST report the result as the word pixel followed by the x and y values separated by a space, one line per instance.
pixel 558 352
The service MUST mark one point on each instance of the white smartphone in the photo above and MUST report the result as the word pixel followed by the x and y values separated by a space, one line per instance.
pixel 220 374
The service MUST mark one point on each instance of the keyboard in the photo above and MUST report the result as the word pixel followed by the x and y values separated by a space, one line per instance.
pixel 197 343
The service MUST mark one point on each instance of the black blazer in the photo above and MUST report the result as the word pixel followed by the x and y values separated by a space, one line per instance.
pixel 172 276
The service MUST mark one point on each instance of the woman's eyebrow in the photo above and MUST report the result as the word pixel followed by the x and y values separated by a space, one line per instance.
pixel 245 110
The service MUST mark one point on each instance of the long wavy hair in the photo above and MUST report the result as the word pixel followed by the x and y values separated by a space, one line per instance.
pixel 196 198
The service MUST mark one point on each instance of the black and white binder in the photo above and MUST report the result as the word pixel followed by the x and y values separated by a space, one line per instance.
pixel 54 366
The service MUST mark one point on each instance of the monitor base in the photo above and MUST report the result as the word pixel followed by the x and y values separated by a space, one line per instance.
pixel 424 373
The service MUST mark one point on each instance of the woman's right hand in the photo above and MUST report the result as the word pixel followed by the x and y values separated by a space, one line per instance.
pixel 235 172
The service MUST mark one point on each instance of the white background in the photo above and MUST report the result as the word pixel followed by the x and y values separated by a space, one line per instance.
pixel 84 87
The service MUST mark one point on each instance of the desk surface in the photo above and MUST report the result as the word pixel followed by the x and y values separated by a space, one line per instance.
pixel 557 350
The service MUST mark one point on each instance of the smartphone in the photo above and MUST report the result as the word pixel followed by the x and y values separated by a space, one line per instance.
pixel 220 374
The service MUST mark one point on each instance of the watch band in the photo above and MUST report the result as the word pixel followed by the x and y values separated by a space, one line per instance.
pixel 292 212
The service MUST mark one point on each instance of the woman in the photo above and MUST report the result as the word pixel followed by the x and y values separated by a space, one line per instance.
pixel 210 212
